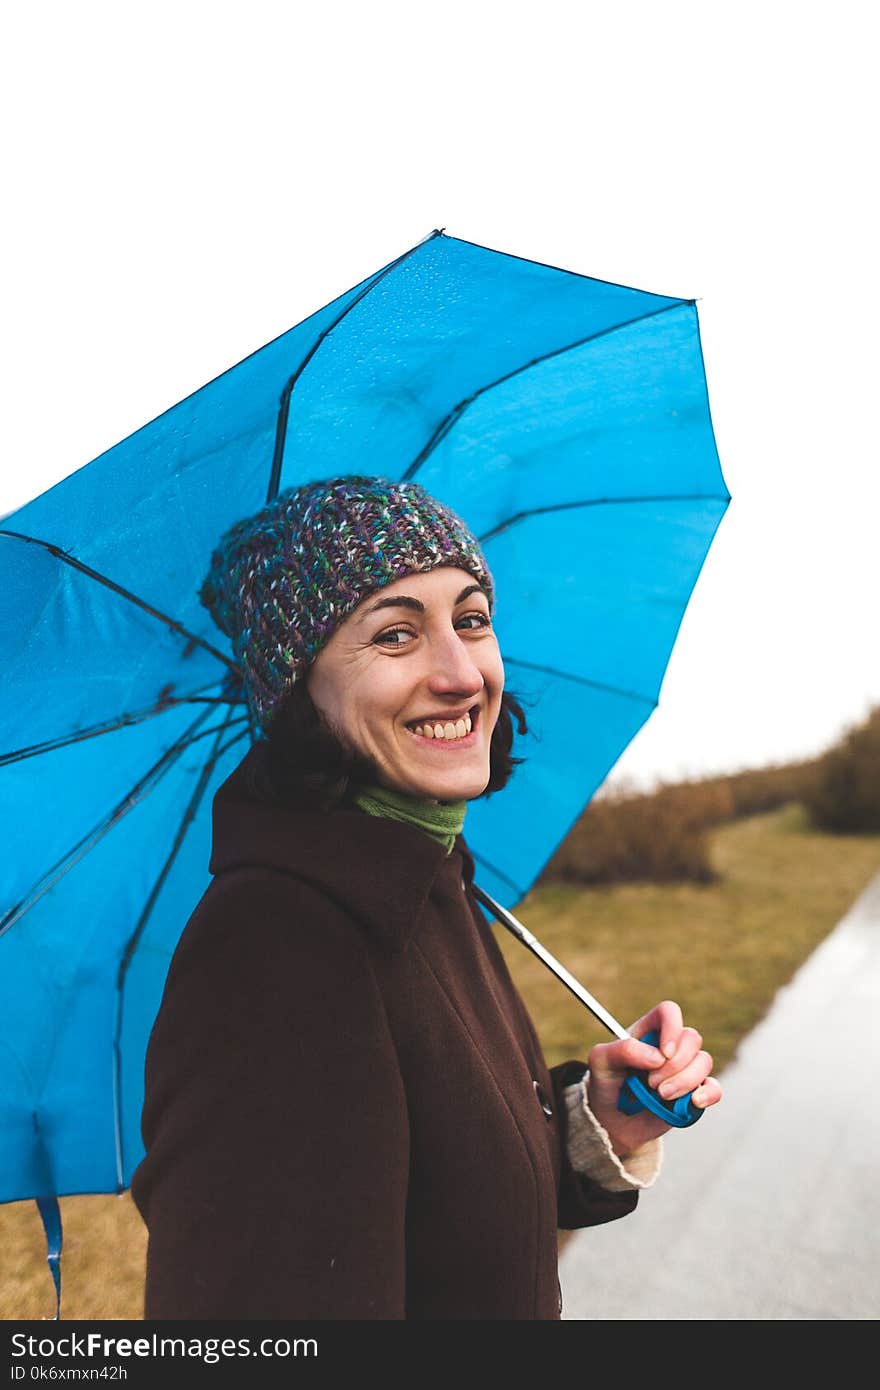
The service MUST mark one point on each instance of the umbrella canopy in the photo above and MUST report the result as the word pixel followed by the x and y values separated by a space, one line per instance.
pixel 565 419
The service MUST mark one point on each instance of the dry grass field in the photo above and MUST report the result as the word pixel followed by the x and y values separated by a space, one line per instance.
pixel 722 948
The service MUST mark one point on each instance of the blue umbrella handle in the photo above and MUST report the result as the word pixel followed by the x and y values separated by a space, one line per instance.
pixel 636 1095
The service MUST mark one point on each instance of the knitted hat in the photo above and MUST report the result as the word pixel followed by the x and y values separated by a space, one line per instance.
pixel 281 581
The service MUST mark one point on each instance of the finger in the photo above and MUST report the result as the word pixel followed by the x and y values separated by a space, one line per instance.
pixel 606 1058
pixel 665 1018
pixel 689 1044
pixel 689 1079
pixel 708 1094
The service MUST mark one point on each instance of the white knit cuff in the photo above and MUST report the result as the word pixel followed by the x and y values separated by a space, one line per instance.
pixel 590 1151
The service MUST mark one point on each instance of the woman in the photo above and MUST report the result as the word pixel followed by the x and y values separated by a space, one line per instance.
pixel 347 1111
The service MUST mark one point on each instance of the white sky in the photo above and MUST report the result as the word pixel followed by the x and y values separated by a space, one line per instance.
pixel 184 181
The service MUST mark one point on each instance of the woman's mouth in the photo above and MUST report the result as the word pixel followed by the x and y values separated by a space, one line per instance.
pixel 441 732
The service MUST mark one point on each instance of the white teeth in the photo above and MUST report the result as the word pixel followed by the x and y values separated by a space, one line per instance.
pixel 460 729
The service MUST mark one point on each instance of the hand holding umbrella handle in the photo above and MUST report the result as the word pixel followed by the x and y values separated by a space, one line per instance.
pixel 636 1095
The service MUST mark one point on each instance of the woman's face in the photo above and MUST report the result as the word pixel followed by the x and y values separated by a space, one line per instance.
pixel 398 677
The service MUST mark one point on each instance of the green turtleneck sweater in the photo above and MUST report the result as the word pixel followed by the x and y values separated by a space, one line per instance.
pixel 442 820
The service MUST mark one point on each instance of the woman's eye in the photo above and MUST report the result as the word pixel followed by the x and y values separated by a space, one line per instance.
pixel 387 637
pixel 480 618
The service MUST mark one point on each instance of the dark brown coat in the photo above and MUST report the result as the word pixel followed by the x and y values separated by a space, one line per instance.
pixel 342 1118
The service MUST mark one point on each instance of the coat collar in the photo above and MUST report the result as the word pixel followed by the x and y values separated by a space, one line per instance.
pixel 380 870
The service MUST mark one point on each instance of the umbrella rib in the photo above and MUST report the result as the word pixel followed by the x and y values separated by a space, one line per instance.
pixel 90 573
pixel 583 680
pixel 187 819
pixel 491 868
pixel 230 743
pixel 78 851
pixel 458 410
pixel 109 726
pixel 284 405
pixel 604 502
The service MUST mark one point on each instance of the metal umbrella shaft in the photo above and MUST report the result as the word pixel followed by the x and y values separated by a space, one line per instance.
pixel 516 928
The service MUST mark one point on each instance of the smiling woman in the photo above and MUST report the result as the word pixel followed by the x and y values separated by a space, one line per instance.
pixel 347 1111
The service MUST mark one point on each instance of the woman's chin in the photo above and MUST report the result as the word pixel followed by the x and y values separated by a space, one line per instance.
pixel 463 785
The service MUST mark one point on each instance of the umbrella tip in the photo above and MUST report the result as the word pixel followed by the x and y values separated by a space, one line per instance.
pixel 437 231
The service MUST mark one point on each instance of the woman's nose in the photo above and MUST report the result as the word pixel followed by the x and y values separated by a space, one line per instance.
pixel 453 668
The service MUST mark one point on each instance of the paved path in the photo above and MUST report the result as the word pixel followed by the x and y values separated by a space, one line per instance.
pixel 769 1208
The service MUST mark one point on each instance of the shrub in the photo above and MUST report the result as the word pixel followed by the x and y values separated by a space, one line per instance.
pixel 659 836
pixel 843 793
pixel 765 788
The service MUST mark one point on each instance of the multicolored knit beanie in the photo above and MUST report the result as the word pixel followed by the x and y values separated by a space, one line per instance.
pixel 281 581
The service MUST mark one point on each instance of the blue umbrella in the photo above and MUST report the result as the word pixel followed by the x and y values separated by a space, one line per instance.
pixel 565 419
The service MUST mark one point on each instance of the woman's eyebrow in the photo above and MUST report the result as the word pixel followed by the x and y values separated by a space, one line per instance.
pixel 404 601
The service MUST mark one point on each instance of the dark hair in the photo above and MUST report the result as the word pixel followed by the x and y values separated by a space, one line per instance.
pixel 306 766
